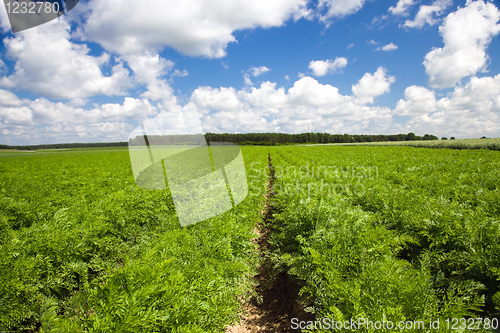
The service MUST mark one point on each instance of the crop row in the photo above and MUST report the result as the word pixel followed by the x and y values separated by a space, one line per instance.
pixel 82 248
pixel 389 233
pixel 492 144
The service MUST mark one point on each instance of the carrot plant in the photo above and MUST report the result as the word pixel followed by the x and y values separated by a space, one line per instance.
pixel 389 233
pixel 83 249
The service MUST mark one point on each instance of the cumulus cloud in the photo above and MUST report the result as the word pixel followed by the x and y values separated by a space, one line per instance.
pixel 418 100
pixel 373 85
pixel 45 111
pixel 323 67
pixel 401 7
pixel 95 132
pixel 30 121
pixel 180 73
pixel 466 34
pixel 254 71
pixel 148 66
pixel 469 111
pixel 481 96
pixel 49 64
pixel 207 26
pixel 387 48
pixel 426 14
pixel 8 98
pixel 148 70
pixel 338 8
pixel 222 99
pixel 307 106
pixel 13 111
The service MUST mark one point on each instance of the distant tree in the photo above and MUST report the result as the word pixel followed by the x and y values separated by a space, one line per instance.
pixel 444 138
pixel 411 137
pixel 483 137
pixel 452 138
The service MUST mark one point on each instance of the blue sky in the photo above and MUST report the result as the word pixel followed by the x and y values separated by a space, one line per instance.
pixel 336 66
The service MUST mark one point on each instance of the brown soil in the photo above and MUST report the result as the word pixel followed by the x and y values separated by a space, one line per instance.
pixel 272 306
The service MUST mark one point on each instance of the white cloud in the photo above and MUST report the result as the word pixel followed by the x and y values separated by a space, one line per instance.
pixel 256 71
pixel 469 111
pixel 3 67
pixel 43 121
pixel 15 115
pixel 148 70
pixel 426 14
pixel 338 8
pixel 265 97
pixel 208 98
pixel 45 111
pixel 481 96
pixel 127 26
pixel 49 64
pixel 8 98
pixel 148 66
pixel 373 85
pixel 323 67
pixel 247 80
pixel 378 20
pixel 418 100
pixel 307 106
pixel 90 132
pixel 466 34
pixel 401 7
pixel 4 21
pixel 387 48
pixel 179 73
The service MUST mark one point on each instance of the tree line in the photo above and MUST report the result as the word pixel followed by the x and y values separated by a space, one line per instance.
pixel 238 138
pixel 66 145
pixel 310 137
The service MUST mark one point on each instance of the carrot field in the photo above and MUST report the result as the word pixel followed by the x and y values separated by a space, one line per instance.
pixel 389 233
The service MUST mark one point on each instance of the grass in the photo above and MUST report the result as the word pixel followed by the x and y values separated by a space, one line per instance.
pixel 493 144
pixel 14 151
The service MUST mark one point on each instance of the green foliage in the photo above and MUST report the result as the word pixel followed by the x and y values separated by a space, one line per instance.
pixel 429 142
pixel 82 248
pixel 422 241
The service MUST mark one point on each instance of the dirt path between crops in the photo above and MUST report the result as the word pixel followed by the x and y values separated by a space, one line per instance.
pixel 271 308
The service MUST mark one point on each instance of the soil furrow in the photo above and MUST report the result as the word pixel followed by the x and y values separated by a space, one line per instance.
pixel 270 309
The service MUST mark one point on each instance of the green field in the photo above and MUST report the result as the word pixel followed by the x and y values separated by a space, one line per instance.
pixel 394 233
pixel 380 232
pixel 493 144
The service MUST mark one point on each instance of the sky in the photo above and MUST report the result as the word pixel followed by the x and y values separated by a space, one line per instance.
pixel 291 66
